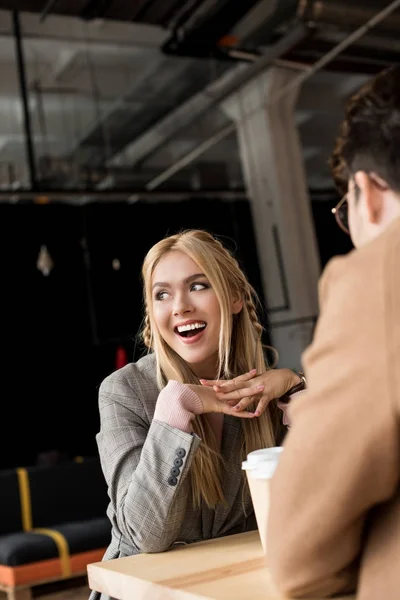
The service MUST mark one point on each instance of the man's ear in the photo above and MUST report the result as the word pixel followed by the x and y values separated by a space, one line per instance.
pixel 373 195
pixel 237 306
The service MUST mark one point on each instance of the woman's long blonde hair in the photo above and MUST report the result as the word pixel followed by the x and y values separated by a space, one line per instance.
pixel 240 349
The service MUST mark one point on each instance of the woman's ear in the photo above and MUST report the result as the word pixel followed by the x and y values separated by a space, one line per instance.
pixel 237 306
pixel 372 189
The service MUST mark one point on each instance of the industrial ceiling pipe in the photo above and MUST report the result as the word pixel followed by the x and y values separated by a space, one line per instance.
pixel 130 196
pixel 364 29
pixel 346 15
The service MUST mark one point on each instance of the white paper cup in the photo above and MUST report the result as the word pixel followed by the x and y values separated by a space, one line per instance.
pixel 260 467
pixel 258 457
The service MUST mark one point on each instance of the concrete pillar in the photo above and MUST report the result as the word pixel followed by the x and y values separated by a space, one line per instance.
pixel 275 177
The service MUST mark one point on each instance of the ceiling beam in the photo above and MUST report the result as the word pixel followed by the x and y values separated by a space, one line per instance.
pixel 199 104
pixel 262 11
pixel 175 121
pixel 47 9
pixel 75 30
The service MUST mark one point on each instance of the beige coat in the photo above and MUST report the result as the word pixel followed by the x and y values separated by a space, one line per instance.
pixel 335 507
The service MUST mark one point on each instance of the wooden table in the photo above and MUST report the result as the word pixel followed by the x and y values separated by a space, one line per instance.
pixel 231 567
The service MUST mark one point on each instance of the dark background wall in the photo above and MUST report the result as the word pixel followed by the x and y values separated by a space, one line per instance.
pixel 59 334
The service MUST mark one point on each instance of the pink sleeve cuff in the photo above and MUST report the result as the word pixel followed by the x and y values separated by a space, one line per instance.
pixel 177 406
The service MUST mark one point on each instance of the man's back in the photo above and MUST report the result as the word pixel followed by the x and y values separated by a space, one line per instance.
pixel 335 509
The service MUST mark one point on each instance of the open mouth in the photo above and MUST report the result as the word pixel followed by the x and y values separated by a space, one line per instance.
pixel 188 331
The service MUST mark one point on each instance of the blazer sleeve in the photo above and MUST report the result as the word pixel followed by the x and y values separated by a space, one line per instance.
pixel 340 456
pixel 148 486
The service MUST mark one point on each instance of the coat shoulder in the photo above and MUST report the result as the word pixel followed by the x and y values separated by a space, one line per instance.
pixel 143 371
pixel 135 382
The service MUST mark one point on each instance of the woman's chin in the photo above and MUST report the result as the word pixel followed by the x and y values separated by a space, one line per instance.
pixel 203 367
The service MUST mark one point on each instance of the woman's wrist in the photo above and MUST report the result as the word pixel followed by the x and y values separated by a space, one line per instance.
pixel 177 405
pixel 299 386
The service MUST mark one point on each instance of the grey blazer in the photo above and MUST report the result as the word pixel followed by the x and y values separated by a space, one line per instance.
pixel 146 462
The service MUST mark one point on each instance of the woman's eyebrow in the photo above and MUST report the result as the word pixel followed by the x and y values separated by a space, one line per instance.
pixel 186 281
pixel 161 284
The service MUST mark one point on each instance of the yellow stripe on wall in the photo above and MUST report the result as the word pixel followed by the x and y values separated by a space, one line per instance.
pixel 25 499
pixel 62 547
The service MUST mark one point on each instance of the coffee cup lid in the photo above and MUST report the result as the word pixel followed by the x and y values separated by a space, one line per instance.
pixel 265 470
pixel 259 457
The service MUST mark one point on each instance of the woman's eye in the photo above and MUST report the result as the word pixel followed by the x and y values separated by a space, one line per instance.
pixel 195 287
pixel 161 295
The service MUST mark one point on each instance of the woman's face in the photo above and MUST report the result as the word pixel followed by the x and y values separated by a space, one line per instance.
pixel 187 312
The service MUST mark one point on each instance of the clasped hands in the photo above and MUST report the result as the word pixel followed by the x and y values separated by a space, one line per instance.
pixel 236 395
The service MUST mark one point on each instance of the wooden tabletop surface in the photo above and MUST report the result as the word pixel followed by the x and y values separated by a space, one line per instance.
pixel 231 567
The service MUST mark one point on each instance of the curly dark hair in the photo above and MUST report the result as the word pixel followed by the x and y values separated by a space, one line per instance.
pixel 369 138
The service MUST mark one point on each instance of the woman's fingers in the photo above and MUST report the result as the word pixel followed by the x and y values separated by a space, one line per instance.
pixel 240 409
pixel 245 403
pixel 211 382
pixel 238 382
pixel 229 385
pixel 251 389
pixel 262 405
pixel 245 376
pixel 211 404
pixel 239 394
pixel 227 410
pixel 263 400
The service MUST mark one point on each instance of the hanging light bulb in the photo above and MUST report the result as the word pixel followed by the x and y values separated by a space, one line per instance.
pixel 116 265
pixel 44 262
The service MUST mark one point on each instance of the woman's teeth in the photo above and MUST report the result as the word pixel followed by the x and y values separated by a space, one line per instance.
pixel 190 330
pixel 183 328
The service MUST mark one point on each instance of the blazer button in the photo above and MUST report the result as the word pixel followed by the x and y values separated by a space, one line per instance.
pixel 175 472
pixel 178 462
pixel 172 481
pixel 181 452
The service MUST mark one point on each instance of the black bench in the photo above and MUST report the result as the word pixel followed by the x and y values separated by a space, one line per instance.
pixel 53 523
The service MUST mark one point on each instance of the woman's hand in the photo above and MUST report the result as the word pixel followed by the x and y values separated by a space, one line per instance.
pixel 242 391
pixel 212 404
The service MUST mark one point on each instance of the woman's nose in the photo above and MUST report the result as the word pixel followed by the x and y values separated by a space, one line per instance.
pixel 182 305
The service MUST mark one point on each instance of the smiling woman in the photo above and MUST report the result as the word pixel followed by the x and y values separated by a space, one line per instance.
pixel 170 445
pixel 187 313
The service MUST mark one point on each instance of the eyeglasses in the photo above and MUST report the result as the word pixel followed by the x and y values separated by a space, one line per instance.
pixel 341 212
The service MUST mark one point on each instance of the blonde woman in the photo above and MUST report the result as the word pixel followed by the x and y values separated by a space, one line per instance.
pixel 170 446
